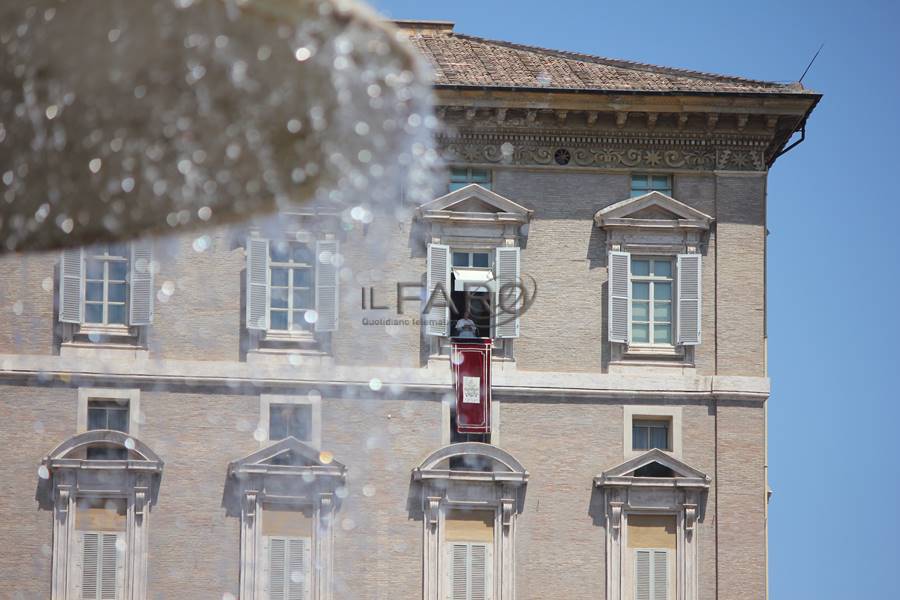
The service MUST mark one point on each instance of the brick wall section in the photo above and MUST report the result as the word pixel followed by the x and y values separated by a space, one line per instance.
pixel 741 486
pixel 566 255
pixel 205 309
pixel 33 420
pixel 741 262
pixel 27 293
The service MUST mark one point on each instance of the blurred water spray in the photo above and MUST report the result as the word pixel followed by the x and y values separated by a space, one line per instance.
pixel 120 118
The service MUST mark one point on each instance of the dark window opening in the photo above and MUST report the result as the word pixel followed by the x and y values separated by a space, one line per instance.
pixel 106 453
pixel 478 304
pixel 290 420
pixel 654 469
pixel 646 435
pixel 108 414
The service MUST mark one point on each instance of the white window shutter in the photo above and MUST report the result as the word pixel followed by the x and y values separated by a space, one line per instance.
pixel 688 280
pixel 438 317
pixel 90 565
pixel 277 568
pixel 619 287
pixel 140 286
pixel 508 296
pixel 458 580
pixel 327 285
pixel 71 286
pixel 298 569
pixel 660 575
pixel 257 283
pixel 479 572
pixel 642 578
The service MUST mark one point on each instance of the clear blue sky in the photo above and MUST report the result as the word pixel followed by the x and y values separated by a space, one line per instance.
pixel 834 282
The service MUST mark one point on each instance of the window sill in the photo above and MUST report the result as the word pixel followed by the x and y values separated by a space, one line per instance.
pixel 638 351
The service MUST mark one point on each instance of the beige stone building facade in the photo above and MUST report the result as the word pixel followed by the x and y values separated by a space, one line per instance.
pixel 250 414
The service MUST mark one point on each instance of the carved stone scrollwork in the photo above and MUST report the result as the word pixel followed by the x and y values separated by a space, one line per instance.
pixel 507 509
pixel 250 504
pixel 140 503
pixel 62 500
pixel 690 518
pixel 615 517
pixel 433 510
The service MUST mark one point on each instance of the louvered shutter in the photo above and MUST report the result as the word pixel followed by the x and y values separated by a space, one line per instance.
pixel 327 285
pixel 508 293
pixel 257 283
pixel 478 572
pixel 689 287
pixel 277 568
pixel 140 286
pixel 438 317
pixel 660 574
pixel 459 572
pixel 298 569
pixel 90 566
pixel 71 286
pixel 619 287
pixel 642 579
pixel 102 566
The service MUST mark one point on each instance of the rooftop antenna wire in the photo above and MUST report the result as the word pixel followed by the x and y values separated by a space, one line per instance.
pixel 805 71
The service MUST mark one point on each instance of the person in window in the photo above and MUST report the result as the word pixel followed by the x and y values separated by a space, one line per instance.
pixel 465 327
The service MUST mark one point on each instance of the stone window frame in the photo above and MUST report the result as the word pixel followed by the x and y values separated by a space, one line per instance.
pixel 67 477
pixel 132 396
pixel 684 233
pixel 467 231
pixel 683 495
pixel 673 414
pixel 254 481
pixel 441 489
pixel 267 400
pixel 315 226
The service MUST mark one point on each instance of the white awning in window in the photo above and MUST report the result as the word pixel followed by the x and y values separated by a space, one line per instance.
pixel 473 280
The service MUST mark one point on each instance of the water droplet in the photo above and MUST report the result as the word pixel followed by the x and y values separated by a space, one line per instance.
pixel 47 284
pixel 129 443
pixel 260 434
pixel 341 492
pixel 95 165
pixel 297 576
pixel 302 53
pixel 168 288
pixel 52 111
pixel 67 225
pixel 204 212
pixel 507 149
pixel 121 545
pixel 263 53
pixel 369 490
pixel 311 316
pixel 348 524
pixel 201 244
pixel 113 35
pixel 43 472
pixel 18 307
pixel 127 184
pixel 294 125
pixel 375 384
pixel 325 457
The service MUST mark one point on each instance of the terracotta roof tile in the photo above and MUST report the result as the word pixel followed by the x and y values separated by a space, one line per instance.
pixel 465 60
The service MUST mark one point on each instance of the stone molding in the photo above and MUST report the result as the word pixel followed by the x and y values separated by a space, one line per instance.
pixel 682 495
pixel 608 150
pixel 499 487
pixel 254 480
pixel 72 477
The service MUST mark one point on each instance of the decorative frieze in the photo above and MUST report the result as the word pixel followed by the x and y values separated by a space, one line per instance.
pixel 611 151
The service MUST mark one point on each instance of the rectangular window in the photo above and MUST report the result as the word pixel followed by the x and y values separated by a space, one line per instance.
pixel 292 285
pixel 460 177
pixel 99 566
pixel 108 414
pixel 106 284
pixel 290 420
pixel 642 184
pixel 480 260
pixel 646 434
pixel 652 283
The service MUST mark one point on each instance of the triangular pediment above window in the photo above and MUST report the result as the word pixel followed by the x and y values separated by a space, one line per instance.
pixel 653 209
pixel 654 465
pixel 476 204
pixel 289 454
